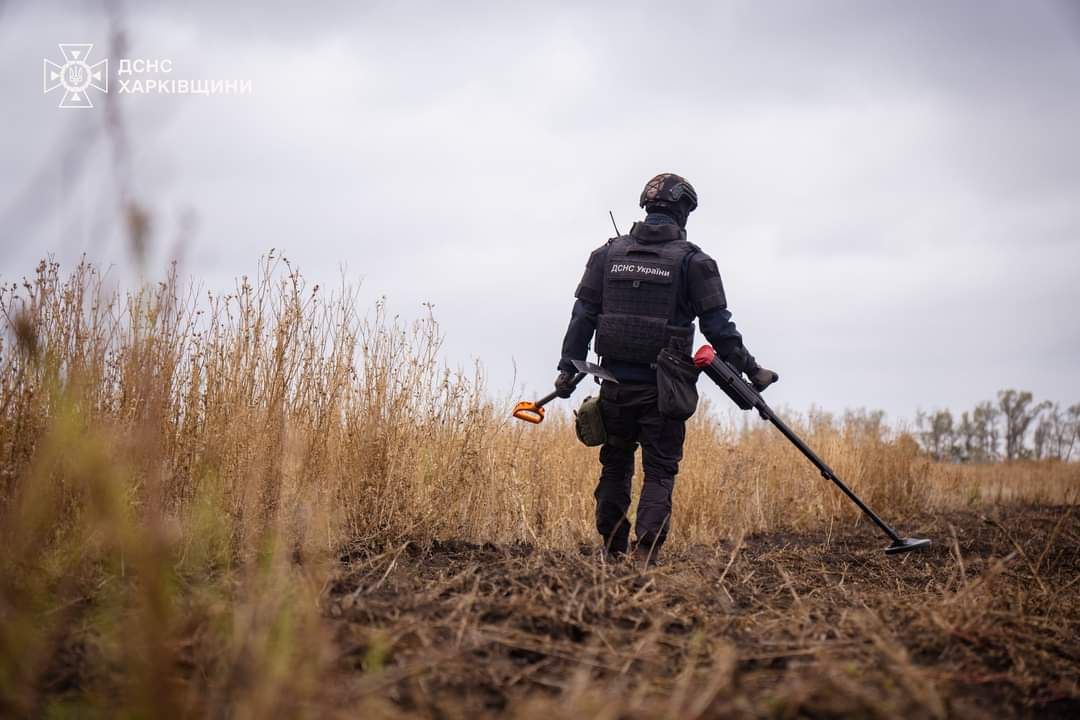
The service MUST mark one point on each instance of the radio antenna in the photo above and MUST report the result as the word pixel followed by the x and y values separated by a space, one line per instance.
pixel 613 223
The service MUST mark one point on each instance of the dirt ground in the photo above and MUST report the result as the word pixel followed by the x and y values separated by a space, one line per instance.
pixel 985 622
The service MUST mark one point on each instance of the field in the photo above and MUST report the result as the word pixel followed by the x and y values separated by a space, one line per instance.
pixel 807 624
pixel 272 502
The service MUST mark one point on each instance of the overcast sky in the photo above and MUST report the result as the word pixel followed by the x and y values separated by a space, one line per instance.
pixel 891 189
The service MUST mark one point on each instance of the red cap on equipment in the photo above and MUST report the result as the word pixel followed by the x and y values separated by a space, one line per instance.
pixel 704 356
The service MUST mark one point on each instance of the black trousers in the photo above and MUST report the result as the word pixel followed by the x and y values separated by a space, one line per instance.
pixel 631 417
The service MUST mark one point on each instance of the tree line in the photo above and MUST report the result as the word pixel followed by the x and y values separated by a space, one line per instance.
pixel 1015 427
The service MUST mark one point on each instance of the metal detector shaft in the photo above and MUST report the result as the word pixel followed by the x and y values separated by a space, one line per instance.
pixel 746 397
pixel 826 472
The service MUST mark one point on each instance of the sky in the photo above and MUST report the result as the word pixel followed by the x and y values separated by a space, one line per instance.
pixel 891 190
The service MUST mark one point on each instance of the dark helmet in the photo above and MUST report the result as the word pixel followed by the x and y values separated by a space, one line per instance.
pixel 668 189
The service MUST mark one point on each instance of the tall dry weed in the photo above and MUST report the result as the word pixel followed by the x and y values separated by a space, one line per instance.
pixel 179 471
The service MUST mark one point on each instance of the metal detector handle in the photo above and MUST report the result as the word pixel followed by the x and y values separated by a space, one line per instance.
pixel 533 412
pixel 729 379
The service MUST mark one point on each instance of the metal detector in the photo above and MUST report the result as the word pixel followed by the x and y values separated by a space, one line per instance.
pixel 746 397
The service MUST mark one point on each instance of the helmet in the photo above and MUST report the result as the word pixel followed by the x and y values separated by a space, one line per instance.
pixel 668 189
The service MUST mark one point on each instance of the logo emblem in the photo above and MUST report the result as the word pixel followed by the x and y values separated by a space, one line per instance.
pixel 76 76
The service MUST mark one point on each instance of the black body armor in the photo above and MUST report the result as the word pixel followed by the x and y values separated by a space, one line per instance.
pixel 642 287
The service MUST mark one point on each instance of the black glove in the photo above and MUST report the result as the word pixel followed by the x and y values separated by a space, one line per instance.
pixel 761 378
pixel 564 384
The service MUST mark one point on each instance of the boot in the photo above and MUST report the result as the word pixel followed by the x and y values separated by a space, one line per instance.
pixel 645 556
pixel 610 557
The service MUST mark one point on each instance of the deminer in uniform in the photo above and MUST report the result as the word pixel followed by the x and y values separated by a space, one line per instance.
pixel 639 295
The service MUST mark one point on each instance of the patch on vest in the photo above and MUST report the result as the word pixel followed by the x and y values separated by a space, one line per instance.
pixel 623 269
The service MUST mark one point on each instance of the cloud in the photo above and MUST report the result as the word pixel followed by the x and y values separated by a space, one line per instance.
pixel 891 190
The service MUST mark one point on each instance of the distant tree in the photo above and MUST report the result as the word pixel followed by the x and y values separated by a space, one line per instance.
pixel 936 433
pixel 1068 435
pixel 966 444
pixel 1072 419
pixel 977 436
pixel 1044 434
pixel 984 421
pixel 866 423
pixel 1017 409
pixel 1057 433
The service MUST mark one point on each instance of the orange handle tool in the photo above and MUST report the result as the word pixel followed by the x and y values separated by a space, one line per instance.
pixel 533 412
pixel 530 412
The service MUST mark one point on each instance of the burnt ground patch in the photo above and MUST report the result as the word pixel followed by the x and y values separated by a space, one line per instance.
pixel 816 624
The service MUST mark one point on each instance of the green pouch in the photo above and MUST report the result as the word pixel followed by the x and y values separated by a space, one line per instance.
pixel 589 423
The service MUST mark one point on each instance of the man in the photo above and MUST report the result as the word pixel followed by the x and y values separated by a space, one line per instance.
pixel 640 294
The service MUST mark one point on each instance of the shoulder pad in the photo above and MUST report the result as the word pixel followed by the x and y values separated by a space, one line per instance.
pixel 701 257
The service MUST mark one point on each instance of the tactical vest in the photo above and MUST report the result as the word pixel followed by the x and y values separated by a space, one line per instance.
pixel 642 286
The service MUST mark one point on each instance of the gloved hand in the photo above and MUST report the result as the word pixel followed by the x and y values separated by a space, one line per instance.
pixel 761 378
pixel 564 385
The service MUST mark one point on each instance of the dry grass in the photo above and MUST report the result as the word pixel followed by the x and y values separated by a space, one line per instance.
pixel 814 624
pixel 180 473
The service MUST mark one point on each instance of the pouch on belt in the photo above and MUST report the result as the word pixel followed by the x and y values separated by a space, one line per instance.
pixel 589 423
pixel 676 384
